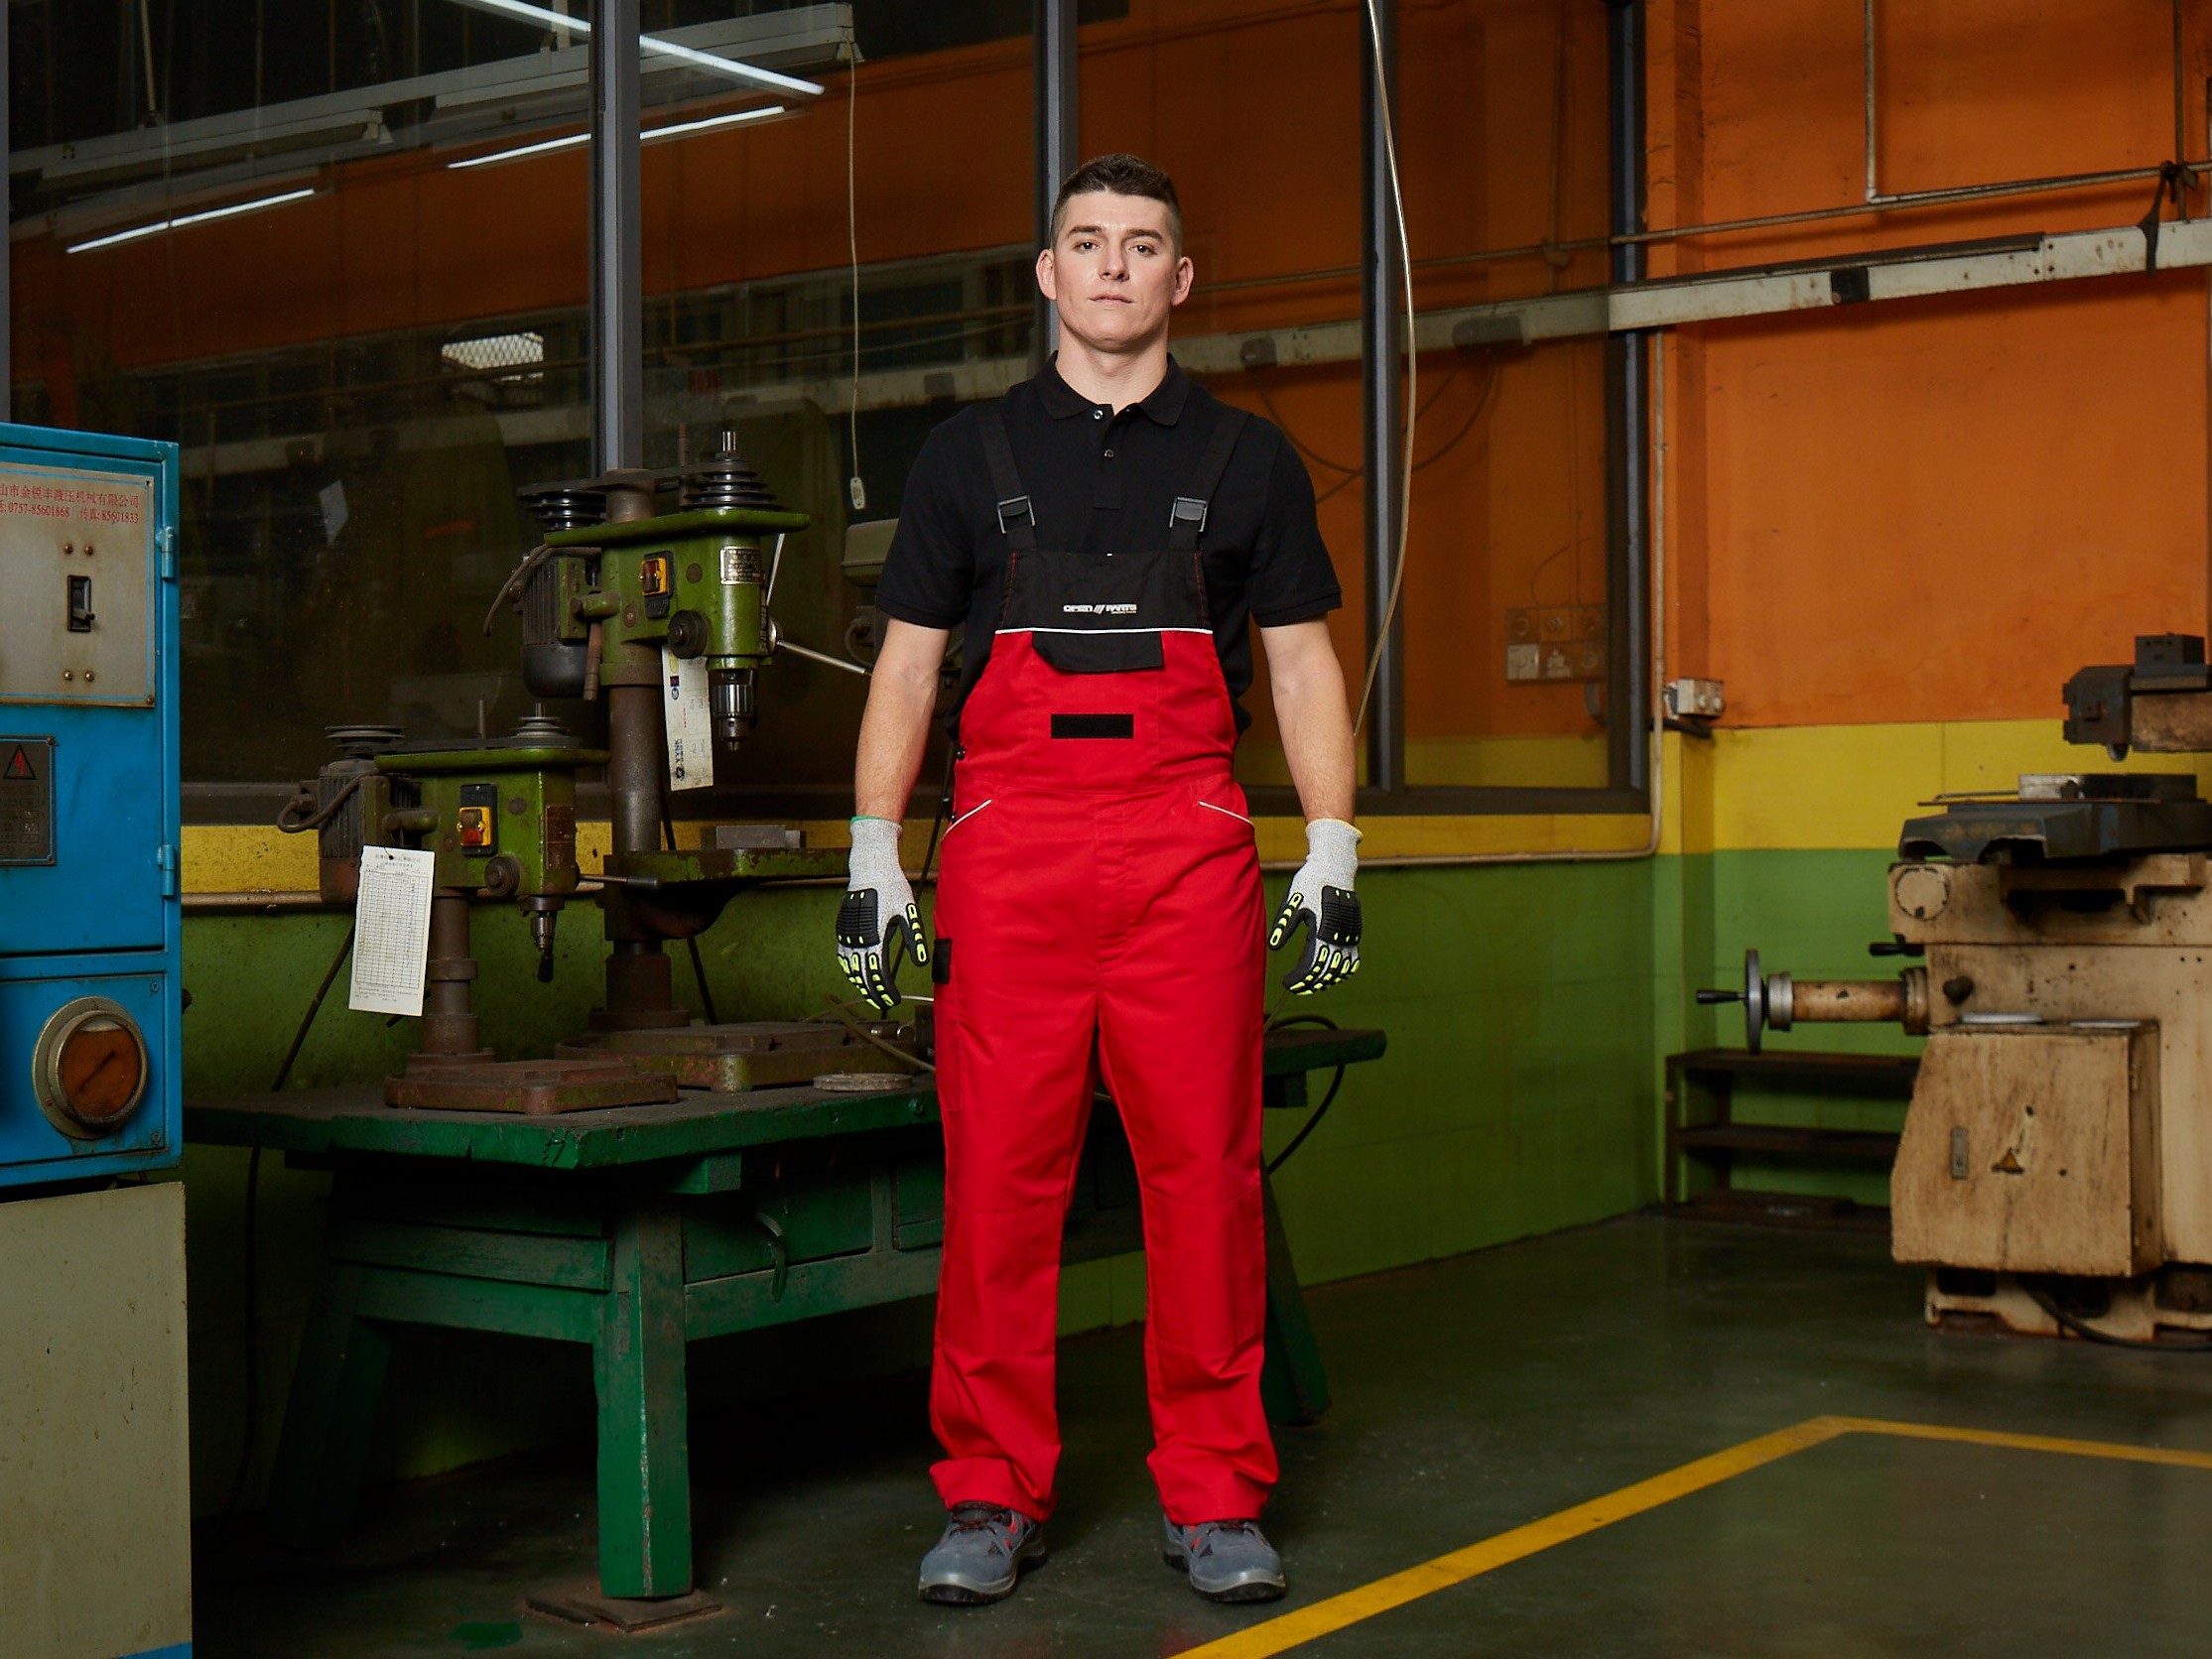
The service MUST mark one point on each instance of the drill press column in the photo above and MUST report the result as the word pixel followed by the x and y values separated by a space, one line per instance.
pixel 640 991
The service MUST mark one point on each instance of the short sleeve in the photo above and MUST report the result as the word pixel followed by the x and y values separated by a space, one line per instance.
pixel 1292 579
pixel 930 572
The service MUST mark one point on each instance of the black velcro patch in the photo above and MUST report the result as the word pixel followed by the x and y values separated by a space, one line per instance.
pixel 941 962
pixel 1094 726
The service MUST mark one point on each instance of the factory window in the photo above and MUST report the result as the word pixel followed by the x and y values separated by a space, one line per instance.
pixel 366 350
pixel 1513 649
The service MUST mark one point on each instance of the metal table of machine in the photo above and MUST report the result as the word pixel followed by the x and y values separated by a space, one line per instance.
pixel 2066 816
pixel 639 1229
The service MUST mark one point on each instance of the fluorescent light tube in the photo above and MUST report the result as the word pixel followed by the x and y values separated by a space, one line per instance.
pixel 183 219
pixel 654 45
pixel 651 135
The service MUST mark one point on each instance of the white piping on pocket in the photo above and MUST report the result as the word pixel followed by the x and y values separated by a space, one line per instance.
pixel 1207 631
pixel 1224 810
pixel 963 819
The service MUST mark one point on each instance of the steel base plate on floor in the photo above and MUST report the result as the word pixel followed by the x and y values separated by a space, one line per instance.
pixel 737 1057
pixel 581 1604
pixel 536 1086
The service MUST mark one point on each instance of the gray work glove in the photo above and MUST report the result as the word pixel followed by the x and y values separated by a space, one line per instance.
pixel 1322 902
pixel 878 918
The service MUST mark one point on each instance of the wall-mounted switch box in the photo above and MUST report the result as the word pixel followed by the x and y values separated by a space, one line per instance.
pixel 1698 700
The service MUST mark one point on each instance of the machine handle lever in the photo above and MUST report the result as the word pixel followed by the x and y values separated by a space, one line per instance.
pixel 1707 999
pixel 783 644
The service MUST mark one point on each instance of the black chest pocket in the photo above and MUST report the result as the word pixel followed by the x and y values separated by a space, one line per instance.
pixel 1102 653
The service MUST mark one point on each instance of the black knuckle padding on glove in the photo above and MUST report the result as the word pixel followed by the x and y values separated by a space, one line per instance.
pixel 1331 936
pixel 857 925
pixel 871 949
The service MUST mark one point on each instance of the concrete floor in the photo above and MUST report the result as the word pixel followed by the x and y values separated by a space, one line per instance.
pixel 1472 1396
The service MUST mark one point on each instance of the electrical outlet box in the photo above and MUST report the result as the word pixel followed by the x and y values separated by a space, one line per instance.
pixel 1700 699
pixel 1555 643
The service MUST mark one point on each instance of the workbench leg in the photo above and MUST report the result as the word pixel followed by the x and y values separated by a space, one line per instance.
pixel 1292 1382
pixel 326 1420
pixel 645 1514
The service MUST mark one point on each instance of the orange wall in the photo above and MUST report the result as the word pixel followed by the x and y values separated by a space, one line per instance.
pixel 1931 510
pixel 1936 509
pixel 1253 105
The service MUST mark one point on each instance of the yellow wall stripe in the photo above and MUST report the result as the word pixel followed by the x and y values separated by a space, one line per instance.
pixel 230 858
pixel 1854 786
pixel 1338 1612
pixel 1785 787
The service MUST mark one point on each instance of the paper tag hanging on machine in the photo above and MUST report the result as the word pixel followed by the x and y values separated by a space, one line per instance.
pixel 688 716
pixel 391 940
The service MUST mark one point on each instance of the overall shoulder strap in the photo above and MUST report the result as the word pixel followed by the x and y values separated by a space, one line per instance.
pixel 1017 519
pixel 1186 519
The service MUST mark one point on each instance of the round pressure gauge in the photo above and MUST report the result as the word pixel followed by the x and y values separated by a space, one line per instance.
pixel 89 1070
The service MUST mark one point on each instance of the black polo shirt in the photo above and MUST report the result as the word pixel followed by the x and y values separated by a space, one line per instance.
pixel 1102 483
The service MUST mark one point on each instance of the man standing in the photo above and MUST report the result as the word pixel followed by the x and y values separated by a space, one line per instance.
pixel 1105 530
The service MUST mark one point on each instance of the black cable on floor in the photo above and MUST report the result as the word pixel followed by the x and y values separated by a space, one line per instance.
pixel 2081 1328
pixel 1313 1120
pixel 253 1232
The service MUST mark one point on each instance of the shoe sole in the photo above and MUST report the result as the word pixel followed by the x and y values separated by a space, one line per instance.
pixel 1250 1590
pixel 982 1595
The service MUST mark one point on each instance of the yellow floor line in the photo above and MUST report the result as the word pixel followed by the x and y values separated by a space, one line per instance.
pixel 2028 1443
pixel 1306 1624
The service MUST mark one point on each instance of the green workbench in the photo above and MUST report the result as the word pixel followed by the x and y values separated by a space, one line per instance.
pixel 640 1229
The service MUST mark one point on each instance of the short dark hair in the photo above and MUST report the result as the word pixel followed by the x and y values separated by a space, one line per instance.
pixel 1122 175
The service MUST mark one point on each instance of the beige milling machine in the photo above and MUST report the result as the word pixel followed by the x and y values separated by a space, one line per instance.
pixel 2055 1170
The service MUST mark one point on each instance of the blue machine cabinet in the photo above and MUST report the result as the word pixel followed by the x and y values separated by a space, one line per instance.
pixel 94 1451
pixel 91 1083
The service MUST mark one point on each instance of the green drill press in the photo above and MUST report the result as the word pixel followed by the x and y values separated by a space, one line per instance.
pixel 650 605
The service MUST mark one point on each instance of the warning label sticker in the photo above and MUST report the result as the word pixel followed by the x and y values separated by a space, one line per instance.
pixel 26 800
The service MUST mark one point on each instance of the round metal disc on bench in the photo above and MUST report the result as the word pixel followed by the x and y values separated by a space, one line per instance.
pixel 864 1082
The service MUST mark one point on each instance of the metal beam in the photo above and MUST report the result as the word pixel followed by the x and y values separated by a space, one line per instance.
pixel 617 276
pixel 2070 257
pixel 1383 345
pixel 1053 103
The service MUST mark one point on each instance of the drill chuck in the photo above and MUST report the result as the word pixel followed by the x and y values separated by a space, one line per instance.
pixel 731 697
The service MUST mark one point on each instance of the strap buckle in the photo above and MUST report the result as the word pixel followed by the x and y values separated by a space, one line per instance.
pixel 1019 505
pixel 1187 510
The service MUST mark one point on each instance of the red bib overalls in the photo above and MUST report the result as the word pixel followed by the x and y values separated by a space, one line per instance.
pixel 1099 894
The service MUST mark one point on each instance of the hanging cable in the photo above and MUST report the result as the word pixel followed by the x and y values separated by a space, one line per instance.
pixel 855 488
pixel 251 1243
pixel 1386 119
pixel 699 966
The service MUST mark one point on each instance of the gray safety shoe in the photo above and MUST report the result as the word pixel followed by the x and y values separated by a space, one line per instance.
pixel 985 1548
pixel 1228 1561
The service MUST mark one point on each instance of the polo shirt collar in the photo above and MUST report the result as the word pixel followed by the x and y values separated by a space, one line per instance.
pixel 1163 405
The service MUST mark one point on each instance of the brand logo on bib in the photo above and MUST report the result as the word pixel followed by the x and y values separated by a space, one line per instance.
pixel 1099 610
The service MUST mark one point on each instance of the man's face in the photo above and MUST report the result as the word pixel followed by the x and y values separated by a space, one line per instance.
pixel 1113 273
